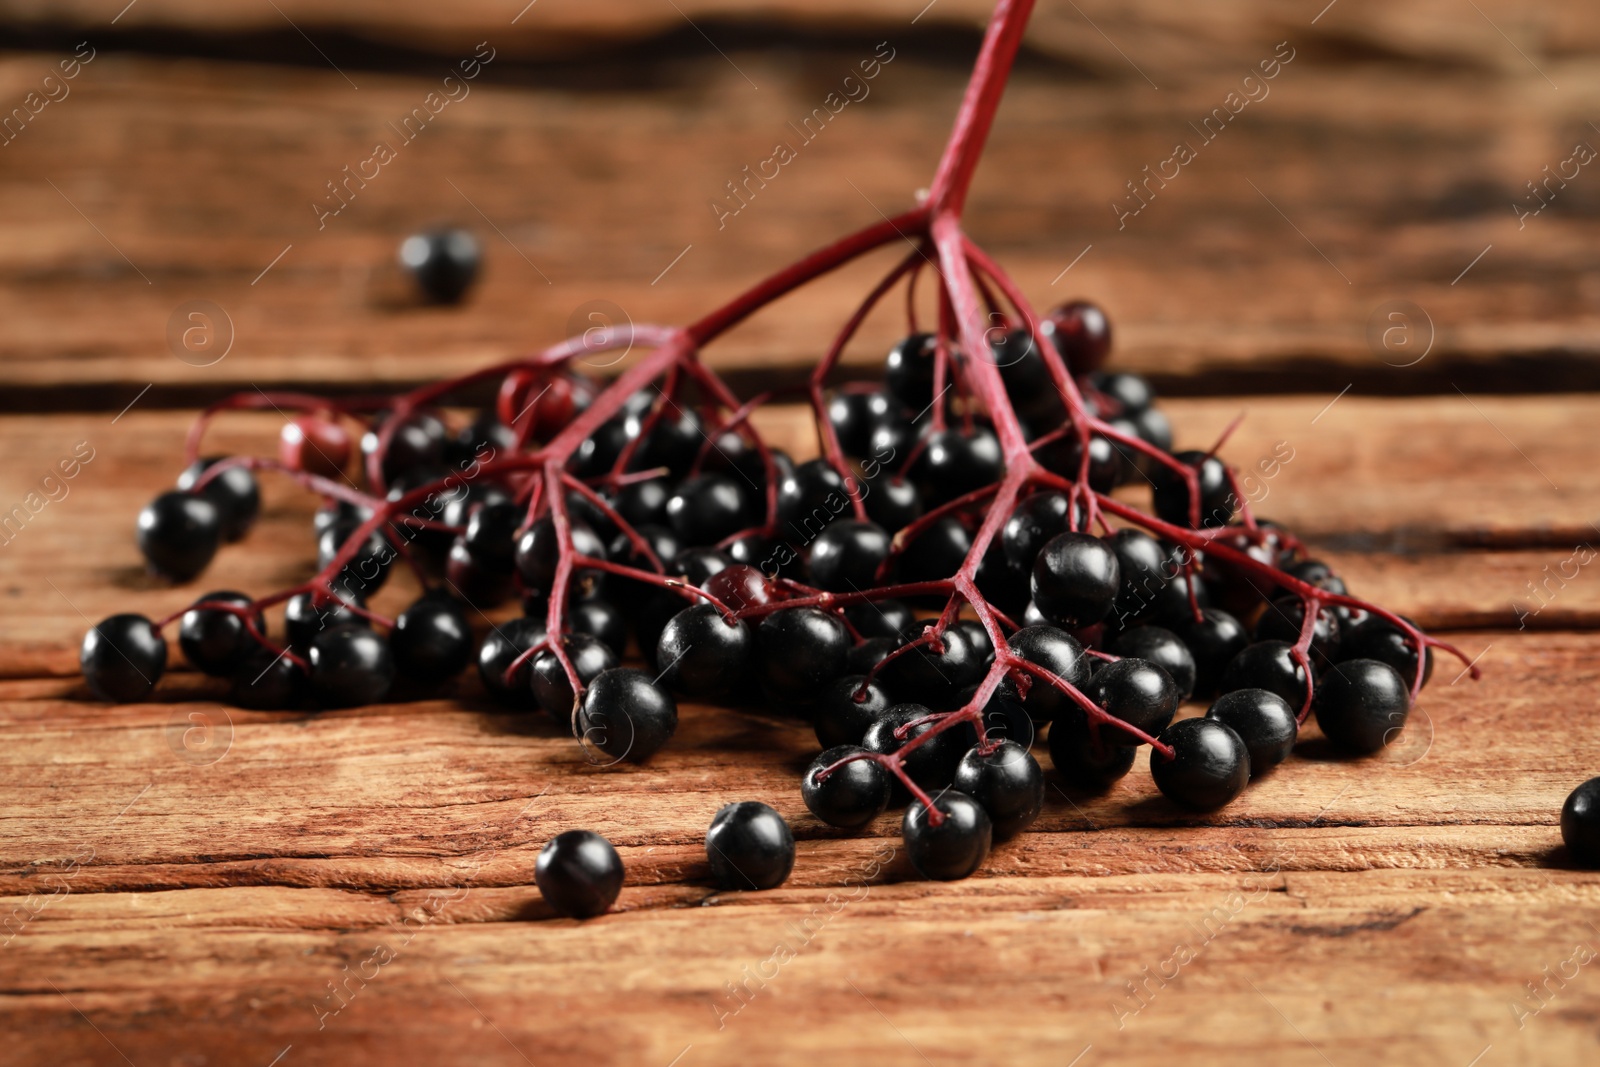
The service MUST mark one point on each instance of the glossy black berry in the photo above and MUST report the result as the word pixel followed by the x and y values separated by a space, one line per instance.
pixel 122 658
pixel 936 670
pixel 1378 638
pixel 1145 567
pixel 626 716
pixel 954 463
pixel 852 795
pixel 366 571
pixel 1580 824
pixel 491 535
pixel 1139 693
pixel 415 449
pixel 1007 782
pixel 1057 652
pixel 848 709
pixel 869 653
pixel 698 565
pixel 932 764
pixel 1267 665
pixel 1361 705
pixel 702 654
pixel 1264 721
pixel 860 418
pixel 880 618
pixel 501 647
pixel 936 552
pixel 589 656
pixel 1064 456
pixel 233 490
pixel 644 503
pixel 579 874
pixel 1282 619
pixel 1129 391
pixel 538 551
pixel 908 372
pixel 1172 496
pixel 749 846
pixel 600 618
pixel 800 650
pixel 846 556
pixel 1081 333
pixel 179 533
pixel 216 642
pixel 1210 764
pixel 1033 522
pixel 1162 647
pixel 816 497
pixel 708 508
pixel 674 440
pixel 954 848
pixel 443 263
pixel 892 501
pixel 1213 642
pixel 269 681
pixel 1087 762
pixel 350 666
pixel 306 615
pixel 1075 580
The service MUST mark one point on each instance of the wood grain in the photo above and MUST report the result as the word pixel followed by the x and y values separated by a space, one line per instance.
pixel 1436 515
pixel 1396 171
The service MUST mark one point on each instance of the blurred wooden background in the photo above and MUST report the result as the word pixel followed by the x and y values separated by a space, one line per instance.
pixel 1388 155
pixel 180 883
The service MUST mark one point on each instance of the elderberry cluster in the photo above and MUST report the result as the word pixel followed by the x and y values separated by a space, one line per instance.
pixel 819 588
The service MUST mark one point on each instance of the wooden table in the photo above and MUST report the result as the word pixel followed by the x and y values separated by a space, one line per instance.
pixel 186 883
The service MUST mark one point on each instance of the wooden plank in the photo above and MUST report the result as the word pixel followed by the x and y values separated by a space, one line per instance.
pixel 1399 174
pixel 1417 480
pixel 1387 910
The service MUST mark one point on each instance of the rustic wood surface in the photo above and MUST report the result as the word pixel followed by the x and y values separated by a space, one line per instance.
pixel 1388 154
pixel 185 883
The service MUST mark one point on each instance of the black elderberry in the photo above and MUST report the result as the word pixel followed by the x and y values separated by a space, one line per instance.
pixel 1172 496
pixel 122 658
pixel 1264 721
pixel 1580 823
pixel 215 641
pixel 233 490
pixel 703 654
pixel 848 709
pixel 852 795
pixel 626 716
pixel 1075 580
pixel 579 874
pixel 350 666
pixel 749 846
pixel 179 533
pixel 552 689
pixel 502 645
pixel 1057 652
pixel 1162 647
pixel 443 263
pixel 1361 705
pixel 1268 665
pixel 1209 768
pixel 846 556
pixel 1139 693
pixel 1007 782
pixel 954 848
